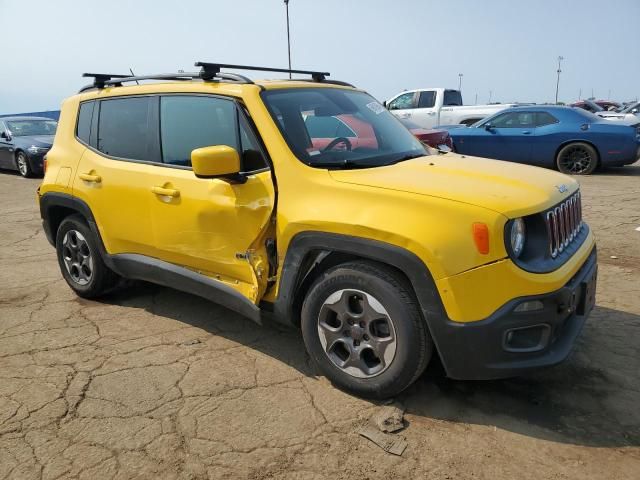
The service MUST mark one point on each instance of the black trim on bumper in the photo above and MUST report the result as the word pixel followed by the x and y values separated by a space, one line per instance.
pixel 478 350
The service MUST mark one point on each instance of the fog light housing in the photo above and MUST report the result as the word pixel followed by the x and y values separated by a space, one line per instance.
pixel 527 339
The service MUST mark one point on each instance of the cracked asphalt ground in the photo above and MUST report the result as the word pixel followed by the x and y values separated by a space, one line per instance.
pixel 153 383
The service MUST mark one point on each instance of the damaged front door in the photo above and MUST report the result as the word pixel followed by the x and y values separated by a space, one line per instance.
pixel 217 227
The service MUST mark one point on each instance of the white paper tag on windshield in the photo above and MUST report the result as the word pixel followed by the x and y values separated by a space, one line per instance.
pixel 314 152
pixel 375 107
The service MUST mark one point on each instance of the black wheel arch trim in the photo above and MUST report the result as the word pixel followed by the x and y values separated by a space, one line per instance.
pixel 141 267
pixel 306 243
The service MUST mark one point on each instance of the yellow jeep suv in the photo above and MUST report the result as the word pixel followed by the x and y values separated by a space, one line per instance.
pixel 308 200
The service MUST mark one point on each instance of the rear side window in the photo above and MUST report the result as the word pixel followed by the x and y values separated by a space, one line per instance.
pixel 452 98
pixel 544 118
pixel 427 99
pixel 125 128
pixel 190 122
pixel 83 129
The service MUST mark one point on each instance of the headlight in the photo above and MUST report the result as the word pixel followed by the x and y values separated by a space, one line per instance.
pixel 35 150
pixel 517 237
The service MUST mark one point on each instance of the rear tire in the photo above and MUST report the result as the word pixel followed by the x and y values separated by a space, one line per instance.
pixel 23 165
pixel 363 329
pixel 577 158
pixel 80 261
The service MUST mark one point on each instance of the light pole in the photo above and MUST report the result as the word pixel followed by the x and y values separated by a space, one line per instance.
pixel 460 75
pixel 286 4
pixel 558 81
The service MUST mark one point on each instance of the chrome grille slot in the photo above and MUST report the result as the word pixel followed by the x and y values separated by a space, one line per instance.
pixel 563 224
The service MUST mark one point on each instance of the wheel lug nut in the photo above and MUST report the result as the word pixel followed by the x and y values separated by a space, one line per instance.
pixel 350 322
pixel 366 337
pixel 356 343
pixel 362 324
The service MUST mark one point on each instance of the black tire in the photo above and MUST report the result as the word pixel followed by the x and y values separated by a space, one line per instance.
pixel 23 165
pixel 89 279
pixel 577 158
pixel 371 281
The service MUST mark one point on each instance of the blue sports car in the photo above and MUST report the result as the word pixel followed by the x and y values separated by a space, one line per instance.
pixel 570 139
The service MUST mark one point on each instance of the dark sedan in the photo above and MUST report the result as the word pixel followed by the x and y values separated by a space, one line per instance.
pixel 24 141
pixel 570 139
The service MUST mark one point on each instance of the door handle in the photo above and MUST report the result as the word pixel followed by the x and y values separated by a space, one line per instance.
pixel 431 113
pixel 87 177
pixel 526 132
pixel 166 192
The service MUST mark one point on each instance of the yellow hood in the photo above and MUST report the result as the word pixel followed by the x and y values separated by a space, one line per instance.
pixel 508 188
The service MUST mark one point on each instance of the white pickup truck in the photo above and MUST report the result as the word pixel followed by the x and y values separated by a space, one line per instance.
pixel 431 107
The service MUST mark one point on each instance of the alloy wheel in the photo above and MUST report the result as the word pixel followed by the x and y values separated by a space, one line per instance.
pixel 357 333
pixel 576 160
pixel 77 257
pixel 22 164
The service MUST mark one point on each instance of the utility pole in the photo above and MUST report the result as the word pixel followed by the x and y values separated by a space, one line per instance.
pixel 490 94
pixel 476 102
pixel 558 81
pixel 286 4
pixel 460 75
pixel 580 95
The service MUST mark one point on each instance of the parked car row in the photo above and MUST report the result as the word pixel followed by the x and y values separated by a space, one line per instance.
pixel 24 141
pixel 574 140
pixel 571 140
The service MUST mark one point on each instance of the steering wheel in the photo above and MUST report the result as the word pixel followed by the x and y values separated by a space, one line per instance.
pixel 337 141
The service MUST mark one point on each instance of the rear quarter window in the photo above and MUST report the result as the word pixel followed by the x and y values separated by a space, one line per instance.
pixel 85 114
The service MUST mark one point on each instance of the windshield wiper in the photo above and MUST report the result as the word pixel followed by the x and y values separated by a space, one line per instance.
pixel 344 163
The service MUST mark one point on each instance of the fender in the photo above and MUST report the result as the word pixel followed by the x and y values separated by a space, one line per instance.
pixel 141 267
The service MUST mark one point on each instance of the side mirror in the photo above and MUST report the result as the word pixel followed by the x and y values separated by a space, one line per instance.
pixel 489 127
pixel 634 110
pixel 384 103
pixel 216 161
pixel 6 135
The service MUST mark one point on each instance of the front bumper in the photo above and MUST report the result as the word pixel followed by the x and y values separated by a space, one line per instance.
pixel 511 342
pixel 36 160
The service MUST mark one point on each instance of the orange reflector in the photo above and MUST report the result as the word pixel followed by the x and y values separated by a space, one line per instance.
pixel 481 237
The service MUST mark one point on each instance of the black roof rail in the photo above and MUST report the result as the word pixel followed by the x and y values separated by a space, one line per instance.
pixel 209 70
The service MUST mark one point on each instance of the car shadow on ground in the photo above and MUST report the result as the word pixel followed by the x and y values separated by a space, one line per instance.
pixel 626 171
pixel 589 400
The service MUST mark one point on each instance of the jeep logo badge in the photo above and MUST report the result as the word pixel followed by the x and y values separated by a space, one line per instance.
pixel 561 188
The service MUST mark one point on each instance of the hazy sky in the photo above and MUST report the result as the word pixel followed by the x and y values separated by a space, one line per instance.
pixel 507 46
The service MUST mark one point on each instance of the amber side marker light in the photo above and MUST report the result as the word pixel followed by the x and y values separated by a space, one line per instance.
pixel 44 164
pixel 481 237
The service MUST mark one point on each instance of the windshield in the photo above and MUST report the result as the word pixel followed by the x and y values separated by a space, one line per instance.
pixel 630 107
pixel 331 127
pixel 23 128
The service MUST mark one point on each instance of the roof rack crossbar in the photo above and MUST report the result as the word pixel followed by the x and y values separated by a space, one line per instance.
pixel 99 79
pixel 210 70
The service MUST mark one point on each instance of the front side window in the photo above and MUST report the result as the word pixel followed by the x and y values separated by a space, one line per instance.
pixel 190 122
pixel 25 128
pixel 126 130
pixel 402 102
pixel 381 139
pixel 514 120
pixel 427 99
pixel 85 113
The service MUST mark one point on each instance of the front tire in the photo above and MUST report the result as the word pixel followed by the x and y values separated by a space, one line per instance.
pixel 362 328
pixel 79 258
pixel 577 158
pixel 23 165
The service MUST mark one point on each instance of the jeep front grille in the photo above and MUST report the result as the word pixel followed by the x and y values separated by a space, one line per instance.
pixel 563 224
